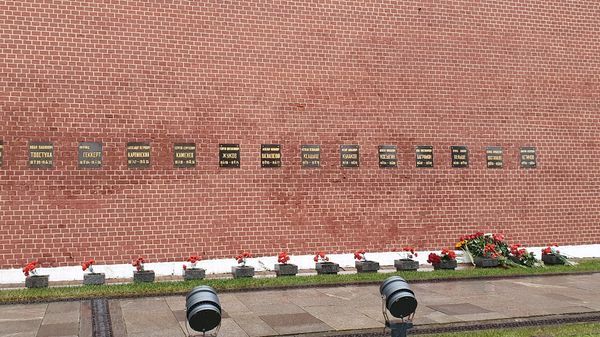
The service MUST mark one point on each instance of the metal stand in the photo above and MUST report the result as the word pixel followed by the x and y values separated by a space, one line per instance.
pixel 399 329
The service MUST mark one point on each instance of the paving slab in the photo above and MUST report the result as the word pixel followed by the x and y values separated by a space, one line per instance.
pixel 252 325
pixel 149 317
pixel 295 323
pixel 343 317
pixel 20 328
pixel 229 328
pixel 62 313
pixel 58 330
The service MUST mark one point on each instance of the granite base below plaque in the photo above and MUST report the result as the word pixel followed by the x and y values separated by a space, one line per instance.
pixel 406 265
pixel 327 268
pixel 242 271
pixel 36 281
pixel 93 279
pixel 366 266
pixel 286 269
pixel 143 276
pixel 194 274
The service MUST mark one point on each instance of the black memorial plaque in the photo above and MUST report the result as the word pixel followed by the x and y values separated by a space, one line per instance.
pixel 41 154
pixel 388 156
pixel 424 156
pixel 184 155
pixel 493 156
pixel 310 155
pixel 459 156
pixel 229 155
pixel 270 155
pixel 89 155
pixel 138 155
pixel 349 155
pixel 1 152
pixel 528 157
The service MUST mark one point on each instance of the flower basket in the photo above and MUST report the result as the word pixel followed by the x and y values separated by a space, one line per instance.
pixel 366 266
pixel 445 264
pixel 406 265
pixel 94 279
pixel 36 281
pixel 143 276
pixel 194 274
pixel 552 259
pixel 327 268
pixel 486 262
pixel 286 269
pixel 242 271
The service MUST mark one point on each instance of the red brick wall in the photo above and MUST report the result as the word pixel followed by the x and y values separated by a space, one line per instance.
pixel 474 73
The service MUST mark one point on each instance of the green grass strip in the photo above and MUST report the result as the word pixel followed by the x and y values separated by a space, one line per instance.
pixel 579 330
pixel 171 288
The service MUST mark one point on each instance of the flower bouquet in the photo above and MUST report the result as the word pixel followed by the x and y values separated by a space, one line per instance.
pixel 323 266
pixel 406 262
pixel 446 260
pixel 362 264
pixel 92 278
pixel 552 256
pixel 485 250
pixel 242 270
pixel 140 274
pixel 192 272
pixel 522 257
pixel 283 268
pixel 32 279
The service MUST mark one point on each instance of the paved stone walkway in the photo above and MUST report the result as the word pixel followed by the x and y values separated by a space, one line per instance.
pixel 295 311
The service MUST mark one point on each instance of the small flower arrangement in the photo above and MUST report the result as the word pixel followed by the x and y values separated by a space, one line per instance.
pixel 320 257
pixel 193 272
pixel 445 255
pixel 242 270
pixel 141 274
pixel 32 279
pixel 283 268
pixel 323 266
pixel 521 256
pixel 193 259
pixel 88 265
pixel 551 255
pixel 408 253
pixel 241 258
pixel 406 262
pixel 479 244
pixel 362 264
pixel 138 263
pixel 91 278
pixel 29 269
pixel 283 258
pixel 360 255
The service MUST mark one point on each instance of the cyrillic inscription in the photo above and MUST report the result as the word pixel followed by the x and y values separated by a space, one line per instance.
pixel 528 157
pixel 41 155
pixel 229 155
pixel 310 155
pixel 184 155
pixel 138 155
pixel 424 156
pixel 270 155
pixel 349 155
pixel 494 157
pixel 388 156
pixel 460 156
pixel 89 155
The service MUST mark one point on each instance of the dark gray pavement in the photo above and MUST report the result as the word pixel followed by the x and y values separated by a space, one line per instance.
pixel 310 310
